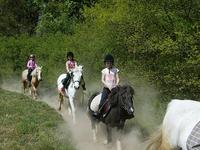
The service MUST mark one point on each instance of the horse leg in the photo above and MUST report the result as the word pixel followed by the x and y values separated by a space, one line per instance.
pixel 34 92
pixel 60 100
pixel 109 134
pixel 30 90
pixel 118 142
pixel 69 108
pixel 94 129
pixel 24 86
pixel 71 101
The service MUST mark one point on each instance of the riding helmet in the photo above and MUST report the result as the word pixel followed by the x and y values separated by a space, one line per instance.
pixel 32 56
pixel 70 54
pixel 109 58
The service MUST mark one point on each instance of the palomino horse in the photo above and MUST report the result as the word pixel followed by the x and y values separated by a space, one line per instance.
pixel 70 92
pixel 180 127
pixel 121 108
pixel 36 78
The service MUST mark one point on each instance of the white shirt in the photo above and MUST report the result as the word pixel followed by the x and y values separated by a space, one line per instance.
pixel 110 77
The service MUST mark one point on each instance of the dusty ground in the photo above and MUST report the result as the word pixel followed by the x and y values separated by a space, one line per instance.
pixel 81 131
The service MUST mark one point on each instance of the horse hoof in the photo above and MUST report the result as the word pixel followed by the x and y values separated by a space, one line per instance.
pixel 119 145
pixel 105 142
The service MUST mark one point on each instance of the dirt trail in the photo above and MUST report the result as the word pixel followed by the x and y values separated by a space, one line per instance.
pixel 81 131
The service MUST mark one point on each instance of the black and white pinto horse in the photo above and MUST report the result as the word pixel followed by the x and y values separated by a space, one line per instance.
pixel 120 102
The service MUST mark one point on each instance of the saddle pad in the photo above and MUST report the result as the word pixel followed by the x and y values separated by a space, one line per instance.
pixel 193 141
pixel 94 106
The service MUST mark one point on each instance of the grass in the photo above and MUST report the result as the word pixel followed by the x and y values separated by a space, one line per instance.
pixel 28 124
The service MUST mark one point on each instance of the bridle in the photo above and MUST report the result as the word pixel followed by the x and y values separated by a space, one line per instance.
pixel 72 79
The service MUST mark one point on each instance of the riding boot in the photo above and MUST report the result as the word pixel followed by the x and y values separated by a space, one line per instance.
pixel 65 82
pixel 98 113
pixel 29 74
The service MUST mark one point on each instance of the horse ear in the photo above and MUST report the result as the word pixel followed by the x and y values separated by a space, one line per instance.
pixel 81 66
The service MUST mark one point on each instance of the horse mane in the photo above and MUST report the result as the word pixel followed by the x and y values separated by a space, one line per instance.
pixel 33 73
pixel 78 68
pixel 117 92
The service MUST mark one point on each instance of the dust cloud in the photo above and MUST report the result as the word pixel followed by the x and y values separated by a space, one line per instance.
pixel 81 132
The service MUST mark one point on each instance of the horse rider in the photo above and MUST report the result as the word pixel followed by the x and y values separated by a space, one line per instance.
pixel 31 65
pixel 70 65
pixel 110 80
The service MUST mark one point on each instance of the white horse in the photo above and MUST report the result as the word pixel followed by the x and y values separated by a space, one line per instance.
pixel 36 78
pixel 71 90
pixel 180 124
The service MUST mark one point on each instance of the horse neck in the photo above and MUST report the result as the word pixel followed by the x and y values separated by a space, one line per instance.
pixel 71 84
pixel 34 72
pixel 118 110
pixel 114 117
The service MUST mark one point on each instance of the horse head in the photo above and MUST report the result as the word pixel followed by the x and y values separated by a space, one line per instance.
pixel 123 98
pixel 76 76
pixel 38 73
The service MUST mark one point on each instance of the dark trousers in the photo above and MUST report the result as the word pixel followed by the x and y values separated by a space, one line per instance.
pixel 29 74
pixel 66 81
pixel 104 96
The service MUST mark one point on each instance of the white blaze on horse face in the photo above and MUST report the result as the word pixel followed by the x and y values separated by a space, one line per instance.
pixel 131 109
pixel 76 79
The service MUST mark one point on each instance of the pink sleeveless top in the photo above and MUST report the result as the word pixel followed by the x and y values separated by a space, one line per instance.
pixel 71 64
pixel 31 64
pixel 110 76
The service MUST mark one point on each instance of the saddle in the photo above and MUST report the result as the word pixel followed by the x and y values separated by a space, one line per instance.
pixel 103 111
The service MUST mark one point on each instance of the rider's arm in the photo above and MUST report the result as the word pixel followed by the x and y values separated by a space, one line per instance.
pixel 28 64
pixel 75 64
pixel 67 67
pixel 117 78
pixel 103 80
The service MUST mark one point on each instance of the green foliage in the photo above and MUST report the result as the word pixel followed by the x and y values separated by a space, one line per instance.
pixel 19 16
pixel 158 40
pixel 49 54
pixel 27 124
pixel 40 16
pixel 54 18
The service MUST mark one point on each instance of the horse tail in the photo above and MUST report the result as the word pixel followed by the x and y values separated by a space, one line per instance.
pixel 158 141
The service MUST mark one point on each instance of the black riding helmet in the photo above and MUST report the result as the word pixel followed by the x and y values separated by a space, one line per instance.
pixel 109 58
pixel 32 56
pixel 70 54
